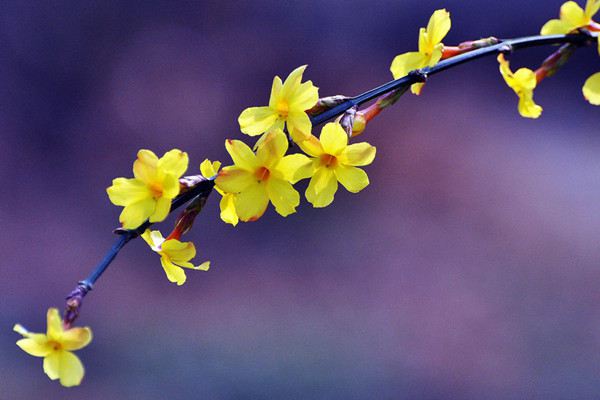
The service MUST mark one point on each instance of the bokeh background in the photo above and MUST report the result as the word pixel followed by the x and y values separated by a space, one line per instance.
pixel 468 269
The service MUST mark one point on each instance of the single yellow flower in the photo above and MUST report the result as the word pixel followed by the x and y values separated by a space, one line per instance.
pixel 267 175
pixel 335 161
pixel 227 204
pixel 149 194
pixel 591 89
pixel 430 48
pixel 572 16
pixel 174 255
pixel 522 82
pixel 56 347
pixel 287 105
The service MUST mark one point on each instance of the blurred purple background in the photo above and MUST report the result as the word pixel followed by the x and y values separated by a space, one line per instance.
pixel 468 269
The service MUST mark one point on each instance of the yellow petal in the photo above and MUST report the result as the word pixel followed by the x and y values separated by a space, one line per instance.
pixel 526 79
pixel 127 191
pixel 358 154
pixel 295 167
pixel 174 273
pixel 573 14
pixel 36 345
pixel 322 188
pixel 283 196
pixel 76 338
pixel 208 169
pixel 70 369
pixel 299 125
pixel 205 266
pixel 234 180
pixel 52 365
pixel 591 89
pixel 416 88
pixel 438 26
pixel 179 251
pixel 256 120
pixel 252 202
pixel 136 214
pixel 404 63
pixel 144 167
pixel 333 138
pixel 242 155
pixel 227 206
pixel 591 8
pixel 272 148
pixel 527 107
pixel 555 27
pixel 161 210
pixel 153 238
pixel 54 324
pixel 352 178
pixel 292 82
pixel 170 186
pixel 275 92
pixel 311 146
pixel 305 97
pixel 174 162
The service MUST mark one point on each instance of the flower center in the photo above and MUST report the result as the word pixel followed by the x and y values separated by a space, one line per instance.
pixel 283 108
pixel 262 174
pixel 156 190
pixel 329 160
pixel 55 345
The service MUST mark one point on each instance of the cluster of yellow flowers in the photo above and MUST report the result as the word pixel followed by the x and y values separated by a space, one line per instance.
pixel 266 172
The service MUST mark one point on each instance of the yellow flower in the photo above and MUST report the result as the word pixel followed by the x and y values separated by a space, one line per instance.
pixel 149 194
pixel 288 104
pixel 227 203
pixel 56 347
pixel 572 16
pixel 335 161
pixel 267 175
pixel 523 81
pixel 591 89
pixel 174 255
pixel 430 48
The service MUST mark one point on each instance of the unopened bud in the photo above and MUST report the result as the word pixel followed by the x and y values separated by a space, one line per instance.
pixel 359 125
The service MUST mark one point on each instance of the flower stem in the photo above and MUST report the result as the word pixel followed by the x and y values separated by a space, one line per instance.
pixel 195 186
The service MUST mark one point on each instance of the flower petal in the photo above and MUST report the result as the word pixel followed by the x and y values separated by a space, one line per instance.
pixel 136 214
pixel 256 120
pixel 333 138
pixel 555 27
pixel 153 238
pixel 208 169
pixel 404 63
pixel 573 14
pixel 438 26
pixel 311 146
pixel 174 162
pixel 54 324
pixel 283 196
pixel 35 345
pixel 272 148
pixel 70 369
pixel 234 180
pixel 144 167
pixel 252 202
pixel 174 273
pixel 591 89
pixel 170 186
pixel 76 338
pixel 242 155
pixel 358 154
pixel 592 7
pixel 52 365
pixel 295 167
pixel 305 97
pixel 322 188
pixel 127 191
pixel 292 82
pixel 161 210
pixel 227 206
pixel 179 251
pixel 275 92
pixel 352 178
pixel 527 107
pixel 299 125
